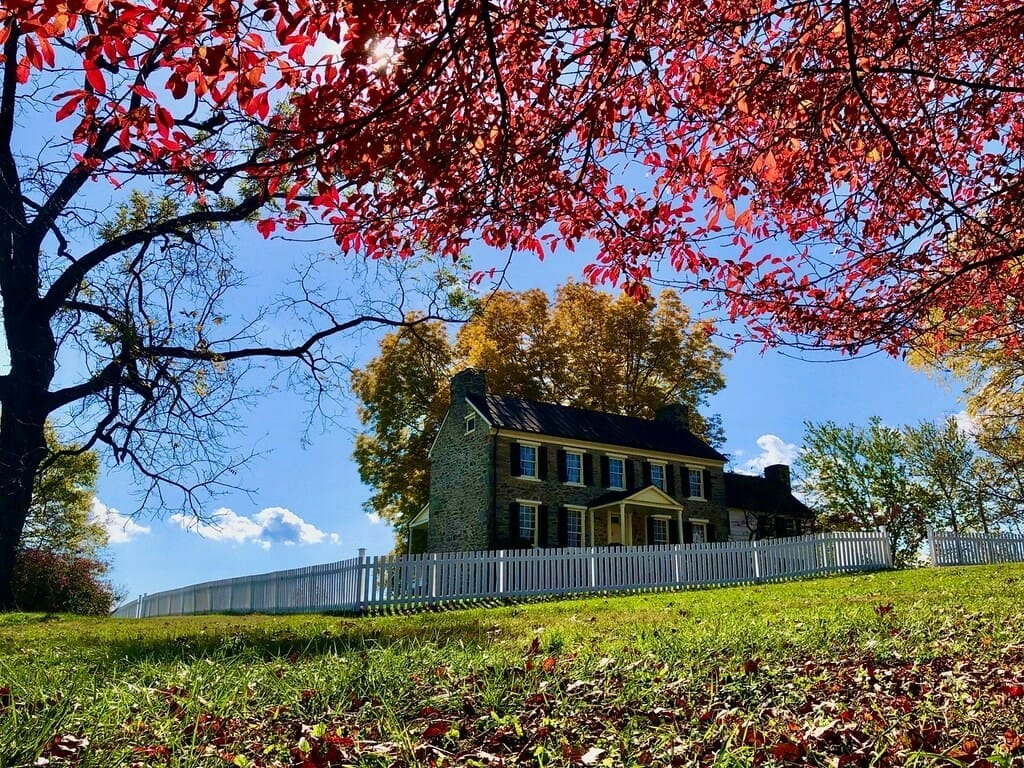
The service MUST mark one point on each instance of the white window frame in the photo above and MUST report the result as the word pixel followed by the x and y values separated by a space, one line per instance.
pixel 700 481
pixel 658 465
pixel 470 424
pixel 534 508
pixel 535 447
pixel 581 511
pixel 622 475
pixel 696 523
pixel 659 519
pixel 579 455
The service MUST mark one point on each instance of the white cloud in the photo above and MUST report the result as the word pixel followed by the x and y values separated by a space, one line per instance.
pixel 374 518
pixel 966 423
pixel 120 528
pixel 273 525
pixel 774 450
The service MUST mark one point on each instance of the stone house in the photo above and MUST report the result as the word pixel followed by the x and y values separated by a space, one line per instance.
pixel 507 473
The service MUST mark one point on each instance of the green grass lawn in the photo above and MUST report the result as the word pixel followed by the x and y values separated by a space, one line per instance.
pixel 913 668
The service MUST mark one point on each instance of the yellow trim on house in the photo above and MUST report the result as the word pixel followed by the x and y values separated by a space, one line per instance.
pixel 648 497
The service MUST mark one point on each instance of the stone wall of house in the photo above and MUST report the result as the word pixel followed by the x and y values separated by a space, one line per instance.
pixel 461 477
pixel 552 493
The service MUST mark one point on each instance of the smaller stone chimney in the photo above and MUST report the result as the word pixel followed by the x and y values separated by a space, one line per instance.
pixel 778 473
pixel 676 414
pixel 468 381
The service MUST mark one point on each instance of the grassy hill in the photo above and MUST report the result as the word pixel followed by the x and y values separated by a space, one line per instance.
pixel 912 668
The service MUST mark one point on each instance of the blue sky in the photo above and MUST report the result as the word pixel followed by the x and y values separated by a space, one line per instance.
pixel 307 502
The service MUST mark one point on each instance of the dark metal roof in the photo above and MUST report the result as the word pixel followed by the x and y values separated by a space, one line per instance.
pixel 760 494
pixel 594 426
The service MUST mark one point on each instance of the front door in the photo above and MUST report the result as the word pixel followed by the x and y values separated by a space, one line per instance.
pixel 614 528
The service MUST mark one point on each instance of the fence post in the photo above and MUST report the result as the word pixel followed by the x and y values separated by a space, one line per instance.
pixel 933 556
pixel 138 606
pixel 886 546
pixel 361 580
pixel 756 550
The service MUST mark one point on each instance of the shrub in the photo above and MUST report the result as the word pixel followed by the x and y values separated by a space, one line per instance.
pixel 51 583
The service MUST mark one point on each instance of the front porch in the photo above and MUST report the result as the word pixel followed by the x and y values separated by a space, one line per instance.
pixel 647 517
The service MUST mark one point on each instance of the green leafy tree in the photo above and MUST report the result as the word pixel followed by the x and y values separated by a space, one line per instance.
pixel 58 520
pixel 943 460
pixel 59 565
pixel 861 479
pixel 585 348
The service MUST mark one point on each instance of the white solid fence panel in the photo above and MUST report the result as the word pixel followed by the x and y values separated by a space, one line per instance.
pixel 947 548
pixel 404 582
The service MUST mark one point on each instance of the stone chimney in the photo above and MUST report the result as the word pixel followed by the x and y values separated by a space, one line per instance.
pixel 676 414
pixel 468 381
pixel 778 473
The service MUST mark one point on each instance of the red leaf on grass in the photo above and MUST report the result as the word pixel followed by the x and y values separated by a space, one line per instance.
pixel 787 751
pixel 437 728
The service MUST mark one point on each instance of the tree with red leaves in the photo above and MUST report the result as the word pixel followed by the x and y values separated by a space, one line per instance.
pixel 843 172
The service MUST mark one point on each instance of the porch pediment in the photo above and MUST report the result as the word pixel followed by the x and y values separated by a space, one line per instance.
pixel 649 496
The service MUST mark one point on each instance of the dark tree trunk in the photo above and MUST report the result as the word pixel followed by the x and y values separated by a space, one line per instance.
pixel 24 402
pixel 22 449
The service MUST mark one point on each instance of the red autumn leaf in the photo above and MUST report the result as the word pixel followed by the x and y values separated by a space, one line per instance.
pixel 787 751
pixel 95 78
pixel 436 728
pixel 1012 742
pixel 549 664
pixel 1014 690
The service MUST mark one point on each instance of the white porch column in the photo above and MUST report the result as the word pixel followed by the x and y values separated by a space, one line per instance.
pixel 627 531
pixel 679 520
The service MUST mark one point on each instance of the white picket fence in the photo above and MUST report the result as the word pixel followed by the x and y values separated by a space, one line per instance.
pixel 946 548
pixel 405 582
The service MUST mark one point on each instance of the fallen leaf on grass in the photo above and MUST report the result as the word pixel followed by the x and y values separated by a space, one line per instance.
pixel 437 728
pixel 787 751
pixel 591 756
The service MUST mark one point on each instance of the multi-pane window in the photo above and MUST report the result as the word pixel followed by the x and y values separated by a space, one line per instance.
pixel 700 533
pixel 658 476
pixel 528 522
pixel 528 460
pixel 470 423
pixel 659 531
pixel 574 467
pixel 696 483
pixel 616 473
pixel 574 527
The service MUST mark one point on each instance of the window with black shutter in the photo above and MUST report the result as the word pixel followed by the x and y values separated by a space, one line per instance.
pixel 670 482
pixel 563 527
pixel 560 456
pixel 707 484
pixel 542 462
pixel 514 466
pixel 647 473
pixel 588 469
pixel 630 474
